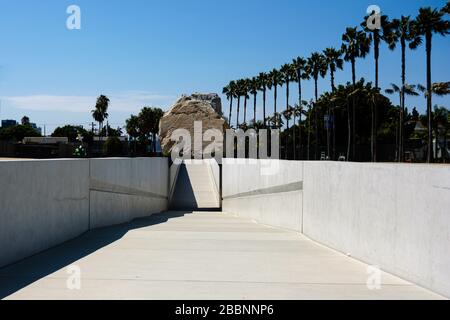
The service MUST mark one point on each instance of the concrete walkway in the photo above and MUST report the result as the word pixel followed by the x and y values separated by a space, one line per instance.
pixel 207 255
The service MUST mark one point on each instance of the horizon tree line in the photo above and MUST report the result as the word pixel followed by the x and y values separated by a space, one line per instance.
pixel 357 43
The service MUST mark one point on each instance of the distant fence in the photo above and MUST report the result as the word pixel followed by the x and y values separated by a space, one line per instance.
pixel 395 216
pixel 46 202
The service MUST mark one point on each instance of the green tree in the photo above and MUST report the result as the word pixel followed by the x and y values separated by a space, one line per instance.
pixel 149 119
pixel 113 147
pixel 17 133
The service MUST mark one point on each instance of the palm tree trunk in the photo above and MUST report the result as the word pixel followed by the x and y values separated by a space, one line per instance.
pixel 372 131
pixel 377 55
pixel 231 109
pixel 429 98
pixel 316 129
pixel 333 89
pixel 309 133
pixel 238 109
pixel 349 131
pixel 354 108
pixel 375 139
pixel 334 133
pixel 287 119
pixel 254 109
pixel 401 150
pixel 299 76
pixel 353 71
pixel 354 130
pixel 245 109
pixel 275 95
pixel 264 105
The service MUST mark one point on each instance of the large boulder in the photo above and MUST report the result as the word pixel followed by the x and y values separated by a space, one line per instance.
pixel 206 108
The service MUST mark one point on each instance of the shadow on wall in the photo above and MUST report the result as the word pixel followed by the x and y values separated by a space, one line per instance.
pixel 183 196
pixel 21 274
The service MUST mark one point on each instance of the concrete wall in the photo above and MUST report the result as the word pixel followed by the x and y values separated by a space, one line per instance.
pixel 393 216
pixel 125 189
pixel 269 192
pixel 44 203
pixel 215 174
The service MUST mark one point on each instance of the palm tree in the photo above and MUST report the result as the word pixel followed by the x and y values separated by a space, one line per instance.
pixel 377 35
pixel 240 88
pixel 100 113
pixel 318 67
pixel 446 8
pixel 401 32
pixel 355 45
pixel 301 66
pixel 289 74
pixel 275 121
pixel 263 81
pixel 230 92
pixel 429 22
pixel 402 92
pixel 254 87
pixel 441 88
pixel 334 61
pixel 245 90
pixel 275 80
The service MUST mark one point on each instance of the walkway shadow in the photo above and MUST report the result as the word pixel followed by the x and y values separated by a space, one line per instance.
pixel 23 273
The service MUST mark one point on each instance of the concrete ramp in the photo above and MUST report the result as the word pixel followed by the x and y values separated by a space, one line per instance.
pixel 195 188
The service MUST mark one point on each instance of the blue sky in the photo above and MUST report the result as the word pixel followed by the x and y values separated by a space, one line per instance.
pixel 144 52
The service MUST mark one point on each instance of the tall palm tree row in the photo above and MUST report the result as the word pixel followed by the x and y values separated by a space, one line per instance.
pixel 401 32
pixel 357 42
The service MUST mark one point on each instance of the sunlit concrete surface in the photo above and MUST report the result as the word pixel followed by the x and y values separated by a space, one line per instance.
pixel 204 255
